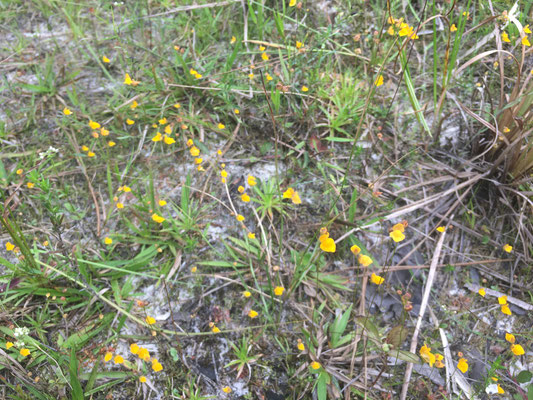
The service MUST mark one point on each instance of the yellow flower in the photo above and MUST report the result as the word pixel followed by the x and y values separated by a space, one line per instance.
pixel 233 39
pixel 399 227
pixel 305 89
pixel 315 365
pixel 134 105
pixel 192 72
pixel 150 320
pixel 156 366
pixel 299 45
pixel 130 121
pixel 509 337
pixel 506 310
pixel 105 59
pixel 526 29
pixel 300 345
pixel 269 77
pixel 215 329
pixel 253 314
pixel 177 105
pixel 246 293
pixel 10 246
pixel 453 28
pixel 292 194
pixel 168 129
pixel 240 218
pixel 118 359
pixel 158 137
pixel 168 140
pixel 84 148
pixel 143 354
pixel 111 143
pixel 500 389
pixel 427 355
pixel 120 205
pixel 108 356
pixel 505 37
pixel 288 193
pixel 104 132
pixel 328 245
pixel 125 188
pixel 278 290
pixel 438 361
pixel 9 345
pixel 251 75
pixel 194 269
pixel 355 249
pixel 525 41
pixel 20 171
pixel 66 111
pixel 198 76
pixel 226 389
pixel 482 292
pixel 162 121
pixel 245 198
pixel 264 56
pixel 379 81
pixel 142 379
pixel 24 352
pixel 364 260
pixel 441 229
pixel 157 218
pixel 162 203
pixel 93 124
pixel 462 365
pixel 397 236
pixel 376 279
pixel 95 135
pixel 251 235
pixel 502 300
pixel 236 111
pixel 129 81
pixel 91 154
pixel 292 3
pixel 224 173
pixel 31 185
pixel 195 152
pixel 390 31
pixel 221 125
pixel 108 240
pixel 134 348
pixel 517 349
pixel 507 248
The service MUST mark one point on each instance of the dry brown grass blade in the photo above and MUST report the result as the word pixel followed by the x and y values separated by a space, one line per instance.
pixel 423 306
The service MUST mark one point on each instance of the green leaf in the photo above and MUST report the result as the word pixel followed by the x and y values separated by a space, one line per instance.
pixel 524 376
pixel 322 386
pixel 370 328
pixel 336 330
pixel 77 391
pixel 405 356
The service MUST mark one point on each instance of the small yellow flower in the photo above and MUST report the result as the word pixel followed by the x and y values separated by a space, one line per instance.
pixel 20 171
pixel 240 218
pixel 441 229
pixel 299 45
pixel 507 248
pixel 251 235
pixel 526 29
pixel 168 140
pixel 162 203
pixel 226 389
pixel 328 245
pixel 150 320
pixel 158 137
pixel 525 41
pixel 438 361
pixel 221 125
pixel 482 292
pixel 264 56
pixel 111 143
pixel 95 135
pixel 156 366
pixel 134 348
pixel 129 81
pixel 93 124
pixel 462 365
pixel 252 314
pixel 399 227
pixel 305 89
pixel 130 121
pixel 278 290
pixel 31 185
pixel 315 365
pixel 505 37
pixel 195 152
pixel 157 218
pixel 108 240
pixel 427 355
pixel 240 189
pixel 104 132
pixel 355 249
pixel 126 189
pixel 502 300
pixel 10 246
pixel 105 59
pixel 500 389
pixel 517 349
pixel 118 359
pixel 9 345
pixel 376 279
pixel 198 76
pixel 506 310
pixel 168 129
pixel 84 148
pixel 215 329
pixel 120 205
pixel 246 293
pixel 269 77
pixel 134 105
pixel 236 111
pixel 233 39
pixel 67 111
pixel 245 198
pixel 251 75
pixel 391 31
pixel 177 105
pixel 142 379
pixel 453 28
pixel 224 173
pixel 300 345
pixel 379 81
pixel 194 269
pixel 365 260
pixel 397 236
pixel 162 121
pixel 108 356
pixel 143 354
pixel 510 337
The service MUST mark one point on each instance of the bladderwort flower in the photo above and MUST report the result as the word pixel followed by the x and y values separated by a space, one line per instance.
pixel 507 248
pixel 134 348
pixel 252 180
pixel 150 320
pixel 517 349
pixel 365 260
pixel 157 218
pixel 427 355
pixel 379 81
pixel 252 314
pixel 292 194
pixel 462 365
pixel 315 365
pixel 376 279
pixel 482 292
pixel 278 290
pixel 300 345
pixel 108 356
